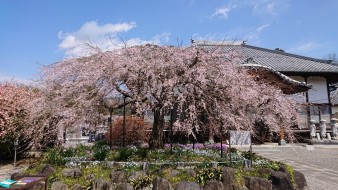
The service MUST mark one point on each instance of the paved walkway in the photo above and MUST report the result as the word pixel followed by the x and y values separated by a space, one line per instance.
pixel 319 163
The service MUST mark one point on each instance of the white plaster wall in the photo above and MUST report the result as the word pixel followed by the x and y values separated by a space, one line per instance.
pixel 299 97
pixel 318 93
pixel 334 109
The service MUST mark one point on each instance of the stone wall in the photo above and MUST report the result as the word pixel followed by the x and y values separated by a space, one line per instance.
pixel 231 179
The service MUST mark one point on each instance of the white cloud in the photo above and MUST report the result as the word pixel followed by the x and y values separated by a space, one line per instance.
pixel 105 37
pixel 261 28
pixel 253 36
pixel 266 8
pixel 270 9
pixel 304 47
pixel 211 37
pixel 236 34
pixel 223 12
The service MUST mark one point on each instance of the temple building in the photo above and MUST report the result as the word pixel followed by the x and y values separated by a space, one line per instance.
pixel 306 79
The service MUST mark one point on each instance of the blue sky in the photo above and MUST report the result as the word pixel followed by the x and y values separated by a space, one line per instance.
pixel 40 32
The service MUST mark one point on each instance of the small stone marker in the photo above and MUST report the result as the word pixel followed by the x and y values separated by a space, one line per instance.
pixel 318 136
pixel 328 136
pixel 145 166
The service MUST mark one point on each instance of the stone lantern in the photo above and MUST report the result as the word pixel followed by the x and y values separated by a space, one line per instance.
pixel 334 126
pixel 322 128
pixel 312 128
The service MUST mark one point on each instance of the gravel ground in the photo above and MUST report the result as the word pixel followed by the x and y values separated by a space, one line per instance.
pixel 7 169
pixel 319 163
pixel 315 184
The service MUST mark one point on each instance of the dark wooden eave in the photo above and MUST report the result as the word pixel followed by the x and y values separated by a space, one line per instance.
pixel 270 76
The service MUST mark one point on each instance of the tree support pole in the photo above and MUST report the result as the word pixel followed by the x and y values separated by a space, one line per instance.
pixel 124 122
pixel 110 128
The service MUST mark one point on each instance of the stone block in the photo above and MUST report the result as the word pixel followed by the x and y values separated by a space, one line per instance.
pixel 213 185
pixel 256 183
pixel 300 180
pixel 59 186
pixel 118 176
pixel 184 185
pixel 228 179
pixel 77 187
pixel 124 186
pixel 46 170
pixel 72 173
pixel 161 184
pixel 281 181
pixel 101 184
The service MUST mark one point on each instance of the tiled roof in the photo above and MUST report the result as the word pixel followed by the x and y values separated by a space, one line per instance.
pixel 275 59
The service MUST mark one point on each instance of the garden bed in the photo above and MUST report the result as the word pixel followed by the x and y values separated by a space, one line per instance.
pixel 139 168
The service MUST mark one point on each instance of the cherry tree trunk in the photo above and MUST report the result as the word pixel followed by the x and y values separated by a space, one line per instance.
pixel 157 135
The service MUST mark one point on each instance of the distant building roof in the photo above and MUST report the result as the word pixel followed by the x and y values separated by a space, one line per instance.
pixel 275 59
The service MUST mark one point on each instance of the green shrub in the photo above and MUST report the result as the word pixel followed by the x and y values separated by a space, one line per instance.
pixel 142 182
pixel 100 150
pixel 290 171
pixel 124 154
pixel 82 150
pixel 264 163
pixel 205 165
pixel 174 180
pixel 248 155
pixel 55 157
pixel 69 152
pixel 142 152
pixel 207 174
pixel 233 150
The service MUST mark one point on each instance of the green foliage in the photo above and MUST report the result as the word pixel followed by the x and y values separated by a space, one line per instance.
pixel 255 173
pixel 174 180
pixel 100 151
pixel 204 171
pixel 82 150
pixel 142 152
pixel 264 163
pixel 248 155
pixel 207 174
pixel 233 150
pixel 239 180
pixel 205 165
pixel 98 171
pixel 290 171
pixel 124 154
pixel 55 157
pixel 34 168
pixel 69 152
pixel 141 182
pixel 130 167
pixel 158 155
